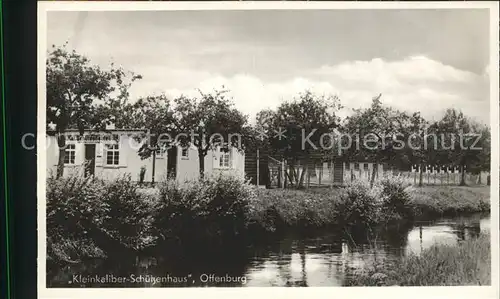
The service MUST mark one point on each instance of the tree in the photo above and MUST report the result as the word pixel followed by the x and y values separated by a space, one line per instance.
pixel 463 142
pixel 422 148
pixel 154 113
pixel 77 92
pixel 378 134
pixel 209 121
pixel 418 150
pixel 296 130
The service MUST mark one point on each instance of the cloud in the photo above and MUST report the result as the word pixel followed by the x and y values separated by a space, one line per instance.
pixel 416 83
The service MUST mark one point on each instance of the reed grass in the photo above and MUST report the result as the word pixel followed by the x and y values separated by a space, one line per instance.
pixel 467 263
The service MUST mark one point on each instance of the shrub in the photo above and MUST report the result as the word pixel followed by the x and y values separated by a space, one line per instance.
pixel 72 203
pixel 128 217
pixel 396 200
pixel 214 208
pixel 359 206
pixel 97 213
pixel 69 250
pixel 276 208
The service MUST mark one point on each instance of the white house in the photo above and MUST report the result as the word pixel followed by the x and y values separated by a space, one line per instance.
pixel 114 153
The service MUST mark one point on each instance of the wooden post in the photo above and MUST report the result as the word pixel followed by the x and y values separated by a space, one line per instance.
pixel 278 174
pixel 153 168
pixel 258 169
pixel 308 169
pixel 332 173
pixel 283 173
pixel 320 174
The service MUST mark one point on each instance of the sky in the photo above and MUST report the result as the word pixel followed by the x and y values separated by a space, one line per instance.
pixel 419 60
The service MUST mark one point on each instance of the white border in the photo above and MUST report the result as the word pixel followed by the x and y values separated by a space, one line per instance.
pixel 275 292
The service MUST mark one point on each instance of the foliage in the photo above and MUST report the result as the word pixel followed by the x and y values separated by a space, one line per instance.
pixel 463 142
pixel 304 122
pixel 71 250
pixel 213 209
pixel 212 121
pixel 156 114
pixel 450 200
pixel 80 95
pixel 219 209
pixel 85 209
pixel 359 206
pixel 72 203
pixel 129 215
pixel 396 201
pixel 277 209
pixel 464 264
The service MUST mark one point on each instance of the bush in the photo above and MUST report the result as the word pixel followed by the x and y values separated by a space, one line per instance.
pixel 359 206
pixel 277 208
pixel 128 213
pixel 97 215
pixel 212 209
pixel 72 203
pixel 396 201
pixel 71 251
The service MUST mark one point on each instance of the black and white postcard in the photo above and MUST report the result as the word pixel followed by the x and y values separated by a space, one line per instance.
pixel 271 149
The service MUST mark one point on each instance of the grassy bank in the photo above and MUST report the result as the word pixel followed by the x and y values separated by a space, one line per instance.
pixel 467 263
pixel 324 207
pixel 91 217
pixel 450 200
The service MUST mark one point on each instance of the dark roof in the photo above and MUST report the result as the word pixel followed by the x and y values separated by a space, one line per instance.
pixel 53 132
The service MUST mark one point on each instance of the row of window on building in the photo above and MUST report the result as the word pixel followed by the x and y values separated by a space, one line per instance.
pixel 357 166
pixel 113 155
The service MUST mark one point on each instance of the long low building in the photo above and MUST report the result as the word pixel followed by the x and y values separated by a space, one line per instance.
pixel 114 153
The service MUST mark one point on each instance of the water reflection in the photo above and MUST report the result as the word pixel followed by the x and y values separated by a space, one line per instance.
pixel 324 260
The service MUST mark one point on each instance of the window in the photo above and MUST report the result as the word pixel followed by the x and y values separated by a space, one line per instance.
pixel 185 152
pixel 356 166
pixel 112 154
pixel 161 151
pixel 365 166
pixel 224 156
pixel 69 157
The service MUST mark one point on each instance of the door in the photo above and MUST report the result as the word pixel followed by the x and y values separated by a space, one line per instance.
pixel 172 162
pixel 338 173
pixel 89 160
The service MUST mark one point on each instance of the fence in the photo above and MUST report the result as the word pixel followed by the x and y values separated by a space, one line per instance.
pixel 338 174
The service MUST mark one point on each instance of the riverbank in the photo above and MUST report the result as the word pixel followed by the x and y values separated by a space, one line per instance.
pixel 118 216
pixel 321 207
pixel 465 264
pixel 450 200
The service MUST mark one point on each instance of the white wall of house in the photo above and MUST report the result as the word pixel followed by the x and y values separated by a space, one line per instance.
pixel 129 161
pixel 188 163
